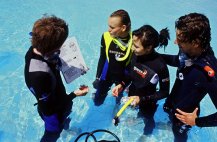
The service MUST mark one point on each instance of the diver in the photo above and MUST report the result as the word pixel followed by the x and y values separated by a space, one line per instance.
pixel 115 55
pixel 195 77
pixel 147 69
pixel 42 76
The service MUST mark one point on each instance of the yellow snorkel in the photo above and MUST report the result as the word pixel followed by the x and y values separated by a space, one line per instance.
pixel 116 118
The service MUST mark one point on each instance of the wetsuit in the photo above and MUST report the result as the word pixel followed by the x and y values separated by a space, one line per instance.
pixel 145 73
pixel 192 83
pixel 44 81
pixel 109 69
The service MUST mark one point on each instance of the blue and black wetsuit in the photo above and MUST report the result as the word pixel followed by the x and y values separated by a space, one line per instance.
pixel 145 73
pixel 112 71
pixel 192 83
pixel 44 81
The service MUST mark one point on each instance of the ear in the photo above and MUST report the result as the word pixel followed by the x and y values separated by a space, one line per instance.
pixel 196 43
pixel 149 48
pixel 124 28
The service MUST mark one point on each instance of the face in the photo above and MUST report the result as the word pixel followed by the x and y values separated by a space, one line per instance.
pixel 116 29
pixel 138 49
pixel 187 47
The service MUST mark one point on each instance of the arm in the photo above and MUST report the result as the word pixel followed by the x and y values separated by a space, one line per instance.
pixel 205 121
pixel 42 88
pixel 210 120
pixel 192 119
pixel 164 85
pixel 172 60
pixel 122 84
pixel 102 59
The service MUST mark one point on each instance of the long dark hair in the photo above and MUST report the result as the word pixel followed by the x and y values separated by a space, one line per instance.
pixel 150 37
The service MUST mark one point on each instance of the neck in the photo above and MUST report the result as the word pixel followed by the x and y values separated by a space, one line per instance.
pixel 37 52
pixel 196 53
pixel 124 35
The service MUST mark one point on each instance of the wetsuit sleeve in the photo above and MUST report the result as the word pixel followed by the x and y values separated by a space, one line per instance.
pixel 102 58
pixel 42 85
pixel 127 79
pixel 72 95
pixel 172 60
pixel 207 121
pixel 210 120
pixel 164 85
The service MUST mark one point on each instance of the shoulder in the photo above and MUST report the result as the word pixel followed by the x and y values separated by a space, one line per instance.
pixel 38 66
pixel 207 65
pixel 40 70
pixel 161 63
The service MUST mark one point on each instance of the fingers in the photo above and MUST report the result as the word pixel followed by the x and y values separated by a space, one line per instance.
pixel 86 90
pixel 135 101
pixel 114 92
pixel 180 117
pixel 195 111
pixel 82 92
pixel 181 112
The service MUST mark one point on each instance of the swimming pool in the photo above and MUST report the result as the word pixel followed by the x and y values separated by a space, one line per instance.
pixel 87 20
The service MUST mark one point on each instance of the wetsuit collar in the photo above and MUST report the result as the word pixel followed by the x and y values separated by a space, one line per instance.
pixel 150 56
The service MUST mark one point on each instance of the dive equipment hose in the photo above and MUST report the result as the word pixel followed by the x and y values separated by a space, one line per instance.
pixel 95 140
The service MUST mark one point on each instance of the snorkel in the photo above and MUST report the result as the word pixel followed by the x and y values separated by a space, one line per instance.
pixel 116 119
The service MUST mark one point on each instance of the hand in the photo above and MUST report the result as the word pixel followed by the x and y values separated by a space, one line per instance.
pixel 136 100
pixel 96 83
pixel 116 90
pixel 82 91
pixel 187 118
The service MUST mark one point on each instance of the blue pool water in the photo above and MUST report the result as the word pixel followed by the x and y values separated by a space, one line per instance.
pixel 19 121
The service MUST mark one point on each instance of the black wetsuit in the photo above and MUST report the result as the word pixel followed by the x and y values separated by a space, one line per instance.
pixel 44 81
pixel 191 85
pixel 110 72
pixel 145 73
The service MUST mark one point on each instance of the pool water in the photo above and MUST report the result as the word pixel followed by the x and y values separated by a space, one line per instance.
pixel 87 20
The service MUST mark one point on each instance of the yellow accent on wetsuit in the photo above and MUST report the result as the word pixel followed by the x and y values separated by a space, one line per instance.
pixel 108 39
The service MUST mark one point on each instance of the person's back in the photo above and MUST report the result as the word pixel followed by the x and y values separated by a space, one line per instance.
pixel 42 76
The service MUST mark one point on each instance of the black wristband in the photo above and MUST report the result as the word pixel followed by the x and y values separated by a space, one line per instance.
pixel 72 95
pixel 198 122
pixel 145 98
pixel 123 84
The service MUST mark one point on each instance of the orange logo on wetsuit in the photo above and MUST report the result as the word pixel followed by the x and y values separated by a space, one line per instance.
pixel 140 72
pixel 210 71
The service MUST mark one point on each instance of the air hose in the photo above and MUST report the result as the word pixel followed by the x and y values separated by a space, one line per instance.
pixel 95 140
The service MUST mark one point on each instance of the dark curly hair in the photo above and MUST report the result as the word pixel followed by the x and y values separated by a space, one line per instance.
pixel 48 34
pixel 194 27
